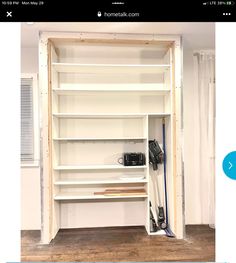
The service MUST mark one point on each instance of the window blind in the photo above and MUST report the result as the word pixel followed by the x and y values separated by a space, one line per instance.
pixel 27 149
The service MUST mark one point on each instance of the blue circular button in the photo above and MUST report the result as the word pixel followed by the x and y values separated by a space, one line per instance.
pixel 229 165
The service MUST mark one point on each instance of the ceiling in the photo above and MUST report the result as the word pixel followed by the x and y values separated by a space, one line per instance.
pixel 195 35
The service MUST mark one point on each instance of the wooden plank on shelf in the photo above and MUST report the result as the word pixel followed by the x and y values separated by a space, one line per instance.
pixel 121 192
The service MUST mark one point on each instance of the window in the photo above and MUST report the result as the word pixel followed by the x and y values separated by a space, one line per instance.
pixel 29 120
pixel 27 147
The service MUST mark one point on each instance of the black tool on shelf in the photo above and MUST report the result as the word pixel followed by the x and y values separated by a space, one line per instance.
pixel 132 159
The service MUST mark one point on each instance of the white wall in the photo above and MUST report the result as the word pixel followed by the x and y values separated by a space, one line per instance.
pixel 30 176
pixel 29 60
pixel 30 198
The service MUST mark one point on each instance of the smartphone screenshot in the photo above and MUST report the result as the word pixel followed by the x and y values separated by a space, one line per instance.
pixel 118 131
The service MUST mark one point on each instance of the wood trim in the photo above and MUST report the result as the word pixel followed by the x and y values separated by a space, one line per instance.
pixel 54 48
pixel 114 41
pixel 174 136
pixel 146 129
pixel 112 38
pixel 178 134
pixel 45 183
pixel 50 139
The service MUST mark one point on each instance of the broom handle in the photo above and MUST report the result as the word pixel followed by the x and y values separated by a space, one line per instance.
pixel 158 192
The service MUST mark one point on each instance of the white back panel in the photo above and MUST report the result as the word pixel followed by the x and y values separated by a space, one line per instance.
pixel 102 214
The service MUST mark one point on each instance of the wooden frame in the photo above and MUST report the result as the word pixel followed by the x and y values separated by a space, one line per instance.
pixel 48 42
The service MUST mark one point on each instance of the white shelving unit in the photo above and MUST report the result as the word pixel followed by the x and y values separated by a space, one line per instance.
pixel 101 100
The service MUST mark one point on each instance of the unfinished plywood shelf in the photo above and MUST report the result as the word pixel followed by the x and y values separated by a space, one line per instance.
pixel 110 68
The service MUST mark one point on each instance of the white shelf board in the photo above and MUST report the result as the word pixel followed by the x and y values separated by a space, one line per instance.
pixel 91 196
pixel 134 89
pixel 101 139
pixel 110 87
pixel 109 116
pixel 101 181
pixel 110 68
pixel 75 86
pixel 74 92
pixel 95 167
